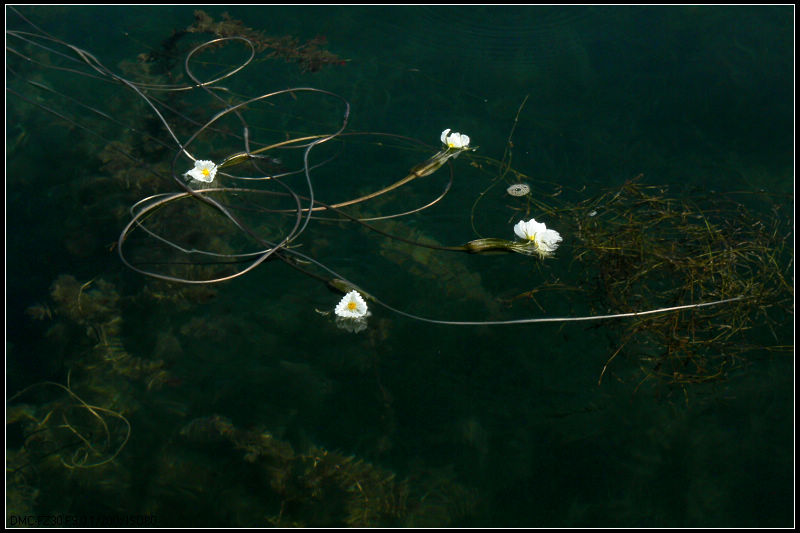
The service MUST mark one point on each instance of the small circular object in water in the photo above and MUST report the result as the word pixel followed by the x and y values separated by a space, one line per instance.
pixel 518 189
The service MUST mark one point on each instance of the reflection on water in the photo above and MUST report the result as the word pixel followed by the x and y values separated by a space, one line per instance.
pixel 656 141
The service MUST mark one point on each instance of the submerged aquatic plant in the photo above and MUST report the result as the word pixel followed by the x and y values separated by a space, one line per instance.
pixel 310 55
pixel 79 434
pixel 316 486
pixel 720 251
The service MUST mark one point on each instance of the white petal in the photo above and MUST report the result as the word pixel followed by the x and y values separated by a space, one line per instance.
pixel 532 227
pixel 444 135
pixel 548 240
pixel 519 229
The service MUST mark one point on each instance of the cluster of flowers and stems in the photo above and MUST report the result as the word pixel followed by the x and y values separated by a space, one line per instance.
pixel 454 143
pixel 351 311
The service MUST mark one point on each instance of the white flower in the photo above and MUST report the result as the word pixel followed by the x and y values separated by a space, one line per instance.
pixel 545 240
pixel 203 171
pixel 455 140
pixel 352 305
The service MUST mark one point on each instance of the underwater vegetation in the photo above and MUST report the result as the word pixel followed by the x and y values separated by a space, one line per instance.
pixel 644 245
pixel 311 56
pixel 203 183
pixel 322 487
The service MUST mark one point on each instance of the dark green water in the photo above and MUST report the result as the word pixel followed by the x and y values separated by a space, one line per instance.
pixel 498 426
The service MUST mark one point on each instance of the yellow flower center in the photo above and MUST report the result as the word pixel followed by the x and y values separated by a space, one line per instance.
pixel 352 306
pixel 205 172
